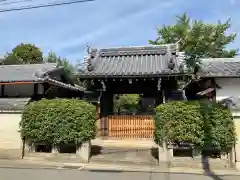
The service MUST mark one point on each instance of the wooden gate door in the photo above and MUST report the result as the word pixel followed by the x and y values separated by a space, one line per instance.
pixel 131 126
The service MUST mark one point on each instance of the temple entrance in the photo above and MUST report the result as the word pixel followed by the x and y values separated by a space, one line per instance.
pixel 121 74
pixel 127 109
pixel 132 116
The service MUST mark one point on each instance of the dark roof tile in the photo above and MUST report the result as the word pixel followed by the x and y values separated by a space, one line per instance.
pixel 132 61
pixel 28 72
pixel 220 67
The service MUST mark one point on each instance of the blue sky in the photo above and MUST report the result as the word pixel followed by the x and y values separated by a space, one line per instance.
pixel 104 23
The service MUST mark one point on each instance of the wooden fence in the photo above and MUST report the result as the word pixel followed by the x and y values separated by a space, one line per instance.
pixel 130 126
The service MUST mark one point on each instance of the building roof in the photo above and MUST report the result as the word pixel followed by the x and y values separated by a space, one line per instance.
pixel 220 67
pixel 232 102
pixel 131 61
pixel 33 73
pixel 13 104
pixel 26 72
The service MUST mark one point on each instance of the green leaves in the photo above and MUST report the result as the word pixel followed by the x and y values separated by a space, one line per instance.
pixel 24 54
pixel 207 125
pixel 58 121
pixel 199 39
pixel 68 67
pixel 127 103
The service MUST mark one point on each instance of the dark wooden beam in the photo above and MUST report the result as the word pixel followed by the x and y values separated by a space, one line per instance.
pixel 2 90
pixel 35 89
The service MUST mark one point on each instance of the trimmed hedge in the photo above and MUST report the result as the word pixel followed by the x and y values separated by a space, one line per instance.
pixel 58 121
pixel 219 126
pixel 206 125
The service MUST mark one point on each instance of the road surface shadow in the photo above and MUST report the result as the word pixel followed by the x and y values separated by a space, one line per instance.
pixel 207 169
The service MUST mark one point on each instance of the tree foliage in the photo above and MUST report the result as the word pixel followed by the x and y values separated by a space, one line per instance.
pixel 51 57
pixel 197 39
pixel 58 121
pixel 68 67
pixel 127 103
pixel 206 125
pixel 24 54
pixel 219 127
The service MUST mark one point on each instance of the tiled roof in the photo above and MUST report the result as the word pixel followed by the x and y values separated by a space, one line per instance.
pixel 232 102
pixel 28 72
pixel 61 84
pixel 132 61
pixel 220 67
pixel 13 104
pixel 33 73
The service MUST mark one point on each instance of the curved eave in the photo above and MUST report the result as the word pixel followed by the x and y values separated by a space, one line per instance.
pixel 61 84
pixel 98 76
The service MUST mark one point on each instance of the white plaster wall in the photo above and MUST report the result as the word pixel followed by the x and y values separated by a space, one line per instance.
pixel 9 135
pixel 19 89
pixel 229 87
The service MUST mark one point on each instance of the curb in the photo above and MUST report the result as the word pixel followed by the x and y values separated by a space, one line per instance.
pixel 118 168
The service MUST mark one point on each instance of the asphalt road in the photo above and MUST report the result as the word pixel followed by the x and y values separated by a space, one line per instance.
pixel 70 174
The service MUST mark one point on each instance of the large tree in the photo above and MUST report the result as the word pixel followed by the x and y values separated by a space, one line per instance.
pixel 24 54
pixel 197 39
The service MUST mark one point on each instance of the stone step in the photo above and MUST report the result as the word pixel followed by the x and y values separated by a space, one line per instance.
pixel 124 156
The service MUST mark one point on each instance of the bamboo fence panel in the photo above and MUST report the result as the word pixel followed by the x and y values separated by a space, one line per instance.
pixel 131 126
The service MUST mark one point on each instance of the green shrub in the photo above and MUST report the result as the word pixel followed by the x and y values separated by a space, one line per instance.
pixel 206 125
pixel 219 127
pixel 179 121
pixel 58 121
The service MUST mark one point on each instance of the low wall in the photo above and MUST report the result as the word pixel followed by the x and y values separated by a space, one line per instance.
pixel 237 147
pixel 10 140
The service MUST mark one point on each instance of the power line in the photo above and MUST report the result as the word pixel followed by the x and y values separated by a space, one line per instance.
pixel 14 2
pixel 44 5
